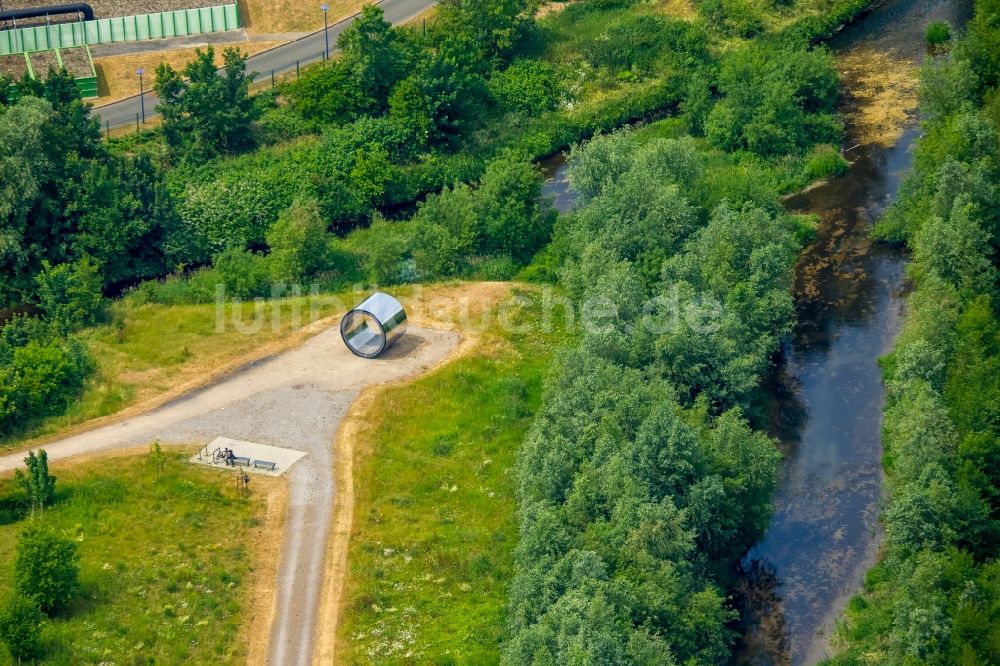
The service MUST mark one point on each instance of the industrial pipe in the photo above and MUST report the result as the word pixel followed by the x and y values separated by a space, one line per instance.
pixel 73 8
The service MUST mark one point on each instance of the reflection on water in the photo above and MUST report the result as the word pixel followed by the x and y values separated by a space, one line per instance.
pixel 826 411
pixel 556 185
pixel 826 396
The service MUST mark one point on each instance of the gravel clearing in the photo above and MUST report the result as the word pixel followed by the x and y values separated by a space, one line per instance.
pixel 294 400
pixel 76 62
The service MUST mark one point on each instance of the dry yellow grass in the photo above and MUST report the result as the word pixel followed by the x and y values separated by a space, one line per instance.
pixel 682 9
pixel 261 17
pixel 116 77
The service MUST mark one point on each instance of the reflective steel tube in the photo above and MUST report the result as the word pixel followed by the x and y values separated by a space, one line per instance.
pixel 374 325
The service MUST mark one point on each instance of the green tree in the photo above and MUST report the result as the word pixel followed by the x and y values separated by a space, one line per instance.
pixel 446 231
pixel 375 54
pixel 440 101
pixel 956 251
pixel 46 567
pixel 329 94
pixel 157 457
pixel 209 113
pixel 74 129
pixel 70 294
pixel 495 27
pixel 24 170
pixel 129 223
pixel 20 626
pixel 298 242
pixel 512 221
pixel 37 484
pixel 774 103
pixel 5 83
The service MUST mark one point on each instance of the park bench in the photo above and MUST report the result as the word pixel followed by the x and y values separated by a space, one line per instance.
pixel 241 460
pixel 264 464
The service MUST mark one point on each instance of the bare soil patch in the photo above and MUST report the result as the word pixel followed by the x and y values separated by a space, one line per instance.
pixel 13 66
pixel 76 62
pixel 42 62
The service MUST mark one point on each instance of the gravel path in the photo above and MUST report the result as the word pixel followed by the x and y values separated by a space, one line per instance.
pixel 294 400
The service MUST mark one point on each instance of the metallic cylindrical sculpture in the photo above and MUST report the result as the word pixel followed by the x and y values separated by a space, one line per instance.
pixel 374 325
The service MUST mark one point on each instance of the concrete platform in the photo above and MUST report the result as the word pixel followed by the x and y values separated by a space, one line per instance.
pixel 284 458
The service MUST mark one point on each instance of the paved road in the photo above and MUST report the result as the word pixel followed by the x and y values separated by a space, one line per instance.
pixel 279 59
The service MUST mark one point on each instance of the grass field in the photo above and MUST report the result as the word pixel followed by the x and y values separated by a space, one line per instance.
pixel 158 349
pixel 167 563
pixel 434 520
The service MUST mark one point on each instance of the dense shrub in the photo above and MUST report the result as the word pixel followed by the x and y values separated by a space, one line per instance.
pixel 501 217
pixel 20 626
pixel 527 86
pixel 242 273
pixel 46 568
pixel 328 94
pixel 824 162
pixel 736 18
pixel 773 103
pixel 298 242
pixel 814 28
pixel 640 483
pixel 938 33
pixel 40 377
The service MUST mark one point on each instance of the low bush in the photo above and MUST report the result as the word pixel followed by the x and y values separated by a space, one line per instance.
pixel 938 33
pixel 824 162
pixel 38 379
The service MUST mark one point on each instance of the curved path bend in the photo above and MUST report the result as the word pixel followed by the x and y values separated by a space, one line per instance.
pixel 280 59
pixel 295 400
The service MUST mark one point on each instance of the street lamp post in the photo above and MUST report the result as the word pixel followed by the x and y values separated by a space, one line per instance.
pixel 326 33
pixel 142 94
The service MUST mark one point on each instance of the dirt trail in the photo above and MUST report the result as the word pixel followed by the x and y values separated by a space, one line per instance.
pixel 296 400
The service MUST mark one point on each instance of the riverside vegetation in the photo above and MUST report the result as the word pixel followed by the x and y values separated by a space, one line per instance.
pixel 934 596
pixel 641 478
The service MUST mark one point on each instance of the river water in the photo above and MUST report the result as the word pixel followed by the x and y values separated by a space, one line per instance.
pixel 826 394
